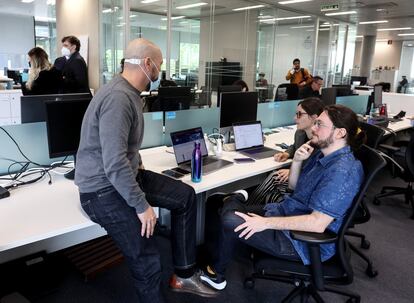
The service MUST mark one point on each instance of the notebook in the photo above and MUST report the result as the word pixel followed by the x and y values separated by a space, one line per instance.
pixel 248 139
pixel 183 145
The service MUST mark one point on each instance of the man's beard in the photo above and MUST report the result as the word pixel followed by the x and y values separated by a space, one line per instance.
pixel 321 144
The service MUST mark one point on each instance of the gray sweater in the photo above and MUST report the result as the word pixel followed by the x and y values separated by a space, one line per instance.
pixel 111 135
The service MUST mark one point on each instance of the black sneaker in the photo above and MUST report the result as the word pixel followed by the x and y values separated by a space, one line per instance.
pixel 209 276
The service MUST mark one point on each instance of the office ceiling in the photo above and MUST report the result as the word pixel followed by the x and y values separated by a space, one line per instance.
pixel 398 13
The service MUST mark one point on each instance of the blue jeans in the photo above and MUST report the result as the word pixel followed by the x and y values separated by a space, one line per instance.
pixel 107 208
pixel 272 242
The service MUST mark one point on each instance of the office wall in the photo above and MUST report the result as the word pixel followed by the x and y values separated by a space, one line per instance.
pixel 81 17
pixel 385 54
pixel 17 38
pixel 233 37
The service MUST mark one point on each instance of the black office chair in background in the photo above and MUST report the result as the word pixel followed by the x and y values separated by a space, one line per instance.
pixel 311 279
pixel 287 91
pixel 402 155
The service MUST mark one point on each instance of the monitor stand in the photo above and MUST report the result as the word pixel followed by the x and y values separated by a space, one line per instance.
pixel 71 174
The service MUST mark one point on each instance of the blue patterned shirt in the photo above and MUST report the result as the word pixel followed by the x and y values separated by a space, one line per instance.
pixel 327 185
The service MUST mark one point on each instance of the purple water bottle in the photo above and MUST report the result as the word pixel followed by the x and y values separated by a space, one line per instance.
pixel 196 163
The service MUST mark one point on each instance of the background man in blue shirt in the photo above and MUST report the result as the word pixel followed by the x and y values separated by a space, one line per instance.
pixel 323 192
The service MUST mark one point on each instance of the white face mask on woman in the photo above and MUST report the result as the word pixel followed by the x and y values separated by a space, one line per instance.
pixel 65 51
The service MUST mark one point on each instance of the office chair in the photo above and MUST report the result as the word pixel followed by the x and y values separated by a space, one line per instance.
pixel 291 92
pixel 310 279
pixel 374 135
pixel 402 156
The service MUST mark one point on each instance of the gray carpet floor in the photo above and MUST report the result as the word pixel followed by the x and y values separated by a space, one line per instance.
pixel 390 232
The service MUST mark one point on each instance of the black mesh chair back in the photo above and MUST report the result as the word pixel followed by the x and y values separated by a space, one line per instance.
pixel 291 92
pixel 373 133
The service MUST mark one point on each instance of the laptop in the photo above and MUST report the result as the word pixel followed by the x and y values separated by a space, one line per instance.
pixel 248 139
pixel 183 145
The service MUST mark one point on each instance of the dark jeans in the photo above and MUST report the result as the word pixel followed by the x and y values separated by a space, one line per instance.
pixel 272 242
pixel 107 208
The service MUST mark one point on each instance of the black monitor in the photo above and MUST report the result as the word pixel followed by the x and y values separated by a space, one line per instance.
pixel 33 107
pixel 361 80
pixel 238 107
pixel 63 124
pixel 328 95
pixel 15 75
pixel 225 89
pixel 343 90
pixel 377 96
pixel 172 98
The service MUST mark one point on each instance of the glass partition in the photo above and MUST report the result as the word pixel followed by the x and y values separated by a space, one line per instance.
pixel 112 38
pixel 207 118
pixel 153 130
pixel 357 103
pixel 32 139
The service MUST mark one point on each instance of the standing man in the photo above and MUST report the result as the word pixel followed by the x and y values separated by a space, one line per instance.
pixel 119 194
pixel 75 71
pixel 312 89
pixel 298 75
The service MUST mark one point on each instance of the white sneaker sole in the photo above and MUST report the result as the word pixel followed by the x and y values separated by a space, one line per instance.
pixel 218 286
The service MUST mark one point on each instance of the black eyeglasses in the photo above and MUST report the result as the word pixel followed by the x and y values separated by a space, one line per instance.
pixel 300 114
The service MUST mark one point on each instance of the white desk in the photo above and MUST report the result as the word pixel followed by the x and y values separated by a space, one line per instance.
pixel 49 217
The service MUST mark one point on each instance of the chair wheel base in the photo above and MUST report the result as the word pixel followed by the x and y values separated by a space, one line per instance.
pixel 371 272
pixel 248 283
pixel 365 244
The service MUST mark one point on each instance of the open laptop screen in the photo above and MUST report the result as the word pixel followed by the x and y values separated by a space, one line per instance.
pixel 183 143
pixel 248 135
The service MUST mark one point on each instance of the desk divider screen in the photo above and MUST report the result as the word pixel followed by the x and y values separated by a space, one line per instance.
pixel 357 103
pixel 207 118
pixel 32 139
pixel 153 130
pixel 275 114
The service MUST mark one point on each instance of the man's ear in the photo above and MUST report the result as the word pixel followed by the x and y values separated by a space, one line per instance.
pixel 341 133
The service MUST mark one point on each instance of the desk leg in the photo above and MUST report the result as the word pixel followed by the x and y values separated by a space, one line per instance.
pixel 201 217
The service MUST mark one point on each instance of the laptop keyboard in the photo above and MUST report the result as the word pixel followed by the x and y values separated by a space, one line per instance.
pixel 208 160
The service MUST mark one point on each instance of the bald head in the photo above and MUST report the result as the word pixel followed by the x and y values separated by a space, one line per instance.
pixel 141 72
pixel 142 48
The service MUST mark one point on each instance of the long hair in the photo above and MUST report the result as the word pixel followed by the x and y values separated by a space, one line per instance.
pixel 343 117
pixel 39 62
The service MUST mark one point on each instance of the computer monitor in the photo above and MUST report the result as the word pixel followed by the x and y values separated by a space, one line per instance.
pixel 33 107
pixel 329 95
pixel 15 75
pixel 172 98
pixel 63 124
pixel 225 89
pixel 238 107
pixel 377 96
pixel 342 90
pixel 362 80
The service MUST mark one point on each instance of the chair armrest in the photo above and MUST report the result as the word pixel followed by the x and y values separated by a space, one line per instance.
pixel 395 163
pixel 389 147
pixel 314 238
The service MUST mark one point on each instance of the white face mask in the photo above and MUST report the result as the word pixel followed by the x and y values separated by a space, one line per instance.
pixel 65 51
pixel 154 83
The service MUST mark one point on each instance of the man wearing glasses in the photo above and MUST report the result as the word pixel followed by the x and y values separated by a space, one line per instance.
pixel 312 89
pixel 323 191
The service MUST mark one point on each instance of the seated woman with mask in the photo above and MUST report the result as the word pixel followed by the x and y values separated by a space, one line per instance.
pixel 43 77
pixel 275 185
